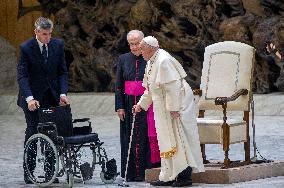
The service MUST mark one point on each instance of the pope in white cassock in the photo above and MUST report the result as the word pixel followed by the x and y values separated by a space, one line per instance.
pixel 174 113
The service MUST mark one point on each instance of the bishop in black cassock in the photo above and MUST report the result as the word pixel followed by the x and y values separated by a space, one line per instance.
pixel 131 68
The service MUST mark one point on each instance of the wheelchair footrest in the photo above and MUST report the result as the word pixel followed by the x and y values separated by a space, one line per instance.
pixel 87 171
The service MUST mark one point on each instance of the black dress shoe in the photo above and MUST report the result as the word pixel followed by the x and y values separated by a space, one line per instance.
pixel 182 183
pixel 184 178
pixel 162 183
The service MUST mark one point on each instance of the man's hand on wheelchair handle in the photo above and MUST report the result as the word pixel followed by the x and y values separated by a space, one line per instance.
pixel 33 105
pixel 63 101
pixel 121 114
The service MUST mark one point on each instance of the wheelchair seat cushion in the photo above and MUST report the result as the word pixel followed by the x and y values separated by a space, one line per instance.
pixel 81 139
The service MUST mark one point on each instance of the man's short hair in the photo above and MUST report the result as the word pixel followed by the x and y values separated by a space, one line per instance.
pixel 135 32
pixel 43 23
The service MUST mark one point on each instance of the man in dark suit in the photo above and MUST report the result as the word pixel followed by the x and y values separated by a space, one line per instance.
pixel 42 76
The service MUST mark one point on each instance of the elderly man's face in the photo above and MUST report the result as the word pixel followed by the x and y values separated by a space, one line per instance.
pixel 134 41
pixel 146 50
pixel 43 35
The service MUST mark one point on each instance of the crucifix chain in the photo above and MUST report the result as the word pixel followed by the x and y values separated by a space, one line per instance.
pixel 150 69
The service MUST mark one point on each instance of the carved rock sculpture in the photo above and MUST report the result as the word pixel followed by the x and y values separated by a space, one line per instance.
pixel 8 62
pixel 95 34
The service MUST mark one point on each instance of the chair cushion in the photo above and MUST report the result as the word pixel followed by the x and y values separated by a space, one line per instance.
pixel 211 132
pixel 81 139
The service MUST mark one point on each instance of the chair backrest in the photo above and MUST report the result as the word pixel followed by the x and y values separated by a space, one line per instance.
pixel 227 67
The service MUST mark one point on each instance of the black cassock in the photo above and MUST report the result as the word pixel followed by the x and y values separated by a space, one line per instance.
pixel 132 68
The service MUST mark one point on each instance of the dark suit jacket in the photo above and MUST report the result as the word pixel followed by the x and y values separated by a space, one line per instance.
pixel 35 77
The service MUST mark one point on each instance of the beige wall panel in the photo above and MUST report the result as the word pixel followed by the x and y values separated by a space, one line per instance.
pixel 12 13
pixel 13 29
pixel 3 18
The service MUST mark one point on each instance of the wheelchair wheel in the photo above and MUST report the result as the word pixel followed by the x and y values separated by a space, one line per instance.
pixel 70 177
pixel 41 160
pixel 106 178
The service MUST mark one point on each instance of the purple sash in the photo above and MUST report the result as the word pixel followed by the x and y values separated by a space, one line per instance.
pixel 152 134
pixel 134 88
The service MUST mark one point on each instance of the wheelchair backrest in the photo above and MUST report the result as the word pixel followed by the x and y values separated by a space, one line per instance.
pixel 61 116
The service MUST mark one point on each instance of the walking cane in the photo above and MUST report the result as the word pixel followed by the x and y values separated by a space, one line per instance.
pixel 123 184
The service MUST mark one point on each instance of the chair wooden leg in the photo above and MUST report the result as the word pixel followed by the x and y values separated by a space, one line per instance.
pixel 247 143
pixel 226 145
pixel 202 146
pixel 226 160
pixel 205 161
pixel 247 151
pixel 226 137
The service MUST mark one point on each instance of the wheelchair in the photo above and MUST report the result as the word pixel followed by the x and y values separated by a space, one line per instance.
pixel 59 148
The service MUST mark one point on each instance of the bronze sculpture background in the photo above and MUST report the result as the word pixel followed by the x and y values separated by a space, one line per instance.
pixel 95 31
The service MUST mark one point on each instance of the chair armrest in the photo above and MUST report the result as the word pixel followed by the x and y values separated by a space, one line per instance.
pixel 197 92
pixel 223 100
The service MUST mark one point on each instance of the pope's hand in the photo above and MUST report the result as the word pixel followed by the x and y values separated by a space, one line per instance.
pixel 136 108
pixel 175 114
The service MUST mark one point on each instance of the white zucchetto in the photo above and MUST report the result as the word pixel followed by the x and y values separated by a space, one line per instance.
pixel 151 41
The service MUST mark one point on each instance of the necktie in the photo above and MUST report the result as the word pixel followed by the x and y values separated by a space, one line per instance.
pixel 44 53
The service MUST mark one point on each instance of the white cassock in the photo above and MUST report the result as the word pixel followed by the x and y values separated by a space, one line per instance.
pixel 178 138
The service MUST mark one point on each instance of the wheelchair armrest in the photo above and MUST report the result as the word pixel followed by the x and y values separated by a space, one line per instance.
pixel 82 130
pixel 224 100
pixel 80 120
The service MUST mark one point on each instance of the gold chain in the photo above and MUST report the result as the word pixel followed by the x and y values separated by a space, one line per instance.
pixel 169 154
